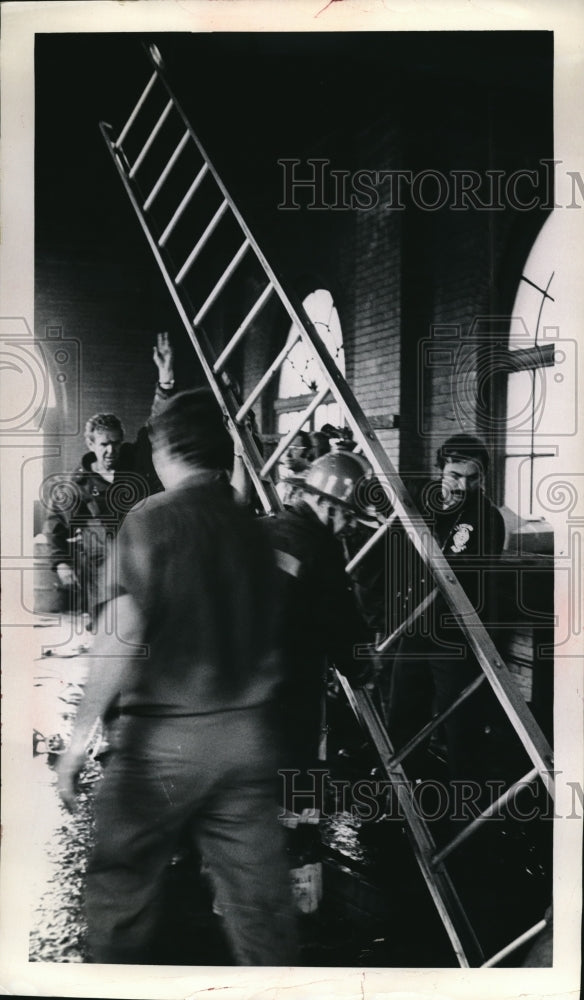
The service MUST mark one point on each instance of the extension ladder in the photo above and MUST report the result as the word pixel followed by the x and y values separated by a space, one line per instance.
pixel 157 152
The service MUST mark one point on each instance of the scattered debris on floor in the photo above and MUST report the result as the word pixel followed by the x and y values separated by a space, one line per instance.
pixel 362 901
pixel 58 931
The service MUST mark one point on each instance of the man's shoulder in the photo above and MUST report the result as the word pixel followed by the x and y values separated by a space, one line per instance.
pixel 486 510
pixel 302 534
pixel 293 522
pixel 191 497
pixel 490 505
pixel 144 523
pixel 127 457
pixel 150 506
pixel 496 521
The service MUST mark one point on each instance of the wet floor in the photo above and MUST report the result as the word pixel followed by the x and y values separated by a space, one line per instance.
pixel 375 909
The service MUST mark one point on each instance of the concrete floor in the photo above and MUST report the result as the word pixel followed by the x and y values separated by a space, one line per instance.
pixel 375 911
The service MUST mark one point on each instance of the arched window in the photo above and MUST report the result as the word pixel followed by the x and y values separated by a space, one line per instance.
pixel 541 417
pixel 300 375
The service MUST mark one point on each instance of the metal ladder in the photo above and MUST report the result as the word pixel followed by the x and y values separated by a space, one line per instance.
pixel 157 152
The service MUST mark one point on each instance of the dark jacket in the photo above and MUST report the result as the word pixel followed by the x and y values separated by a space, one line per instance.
pixel 476 528
pixel 319 622
pixel 471 536
pixel 320 617
pixel 84 510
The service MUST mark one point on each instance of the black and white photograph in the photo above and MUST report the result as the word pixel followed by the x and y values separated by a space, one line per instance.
pixel 292 499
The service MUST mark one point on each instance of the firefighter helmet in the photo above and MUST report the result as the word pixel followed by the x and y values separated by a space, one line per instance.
pixel 335 476
pixel 348 479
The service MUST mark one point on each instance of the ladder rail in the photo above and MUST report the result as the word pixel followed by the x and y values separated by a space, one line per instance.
pixel 241 432
pixel 480 642
pixel 462 937
pixel 431 862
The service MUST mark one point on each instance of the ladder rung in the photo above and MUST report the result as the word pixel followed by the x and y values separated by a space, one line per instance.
pixel 436 721
pixel 370 543
pixel 267 376
pixel 514 945
pixel 231 267
pixel 476 823
pixel 399 631
pixel 201 242
pixel 166 172
pixel 437 879
pixel 299 424
pixel 480 643
pixel 179 211
pixel 151 139
pixel 136 111
pixel 242 328
pixel 439 883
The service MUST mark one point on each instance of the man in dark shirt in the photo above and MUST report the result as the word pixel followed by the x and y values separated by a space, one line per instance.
pixel 433 664
pixel 192 672
pixel 321 623
pixel 87 507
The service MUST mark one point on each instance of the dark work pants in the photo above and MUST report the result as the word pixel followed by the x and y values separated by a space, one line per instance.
pixel 214 777
pixel 483 750
pixel 425 680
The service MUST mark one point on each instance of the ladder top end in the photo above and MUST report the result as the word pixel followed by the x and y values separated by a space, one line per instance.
pixel 155 55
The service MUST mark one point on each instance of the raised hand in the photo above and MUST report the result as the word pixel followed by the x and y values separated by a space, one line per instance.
pixel 163 356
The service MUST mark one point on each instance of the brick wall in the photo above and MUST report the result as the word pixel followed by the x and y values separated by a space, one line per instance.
pixel 114 316
pixel 394 275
